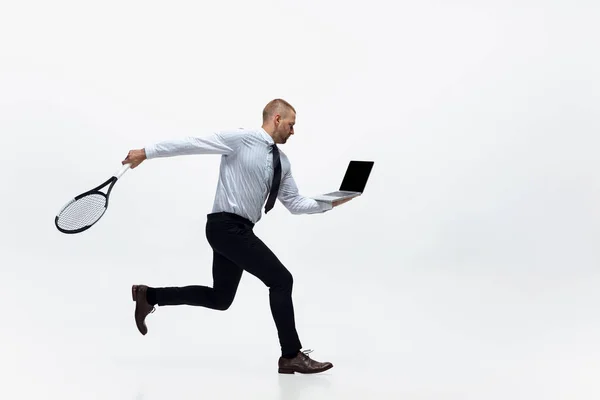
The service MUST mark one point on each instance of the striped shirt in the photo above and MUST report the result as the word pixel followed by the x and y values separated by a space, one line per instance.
pixel 246 171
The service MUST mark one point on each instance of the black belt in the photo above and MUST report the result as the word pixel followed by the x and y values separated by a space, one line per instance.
pixel 220 216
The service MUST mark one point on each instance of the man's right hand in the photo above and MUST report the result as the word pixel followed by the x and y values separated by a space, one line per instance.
pixel 340 202
pixel 135 157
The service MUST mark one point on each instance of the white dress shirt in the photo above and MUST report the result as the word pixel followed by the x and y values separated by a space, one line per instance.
pixel 246 171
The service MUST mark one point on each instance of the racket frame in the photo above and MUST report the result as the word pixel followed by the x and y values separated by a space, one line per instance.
pixel 112 180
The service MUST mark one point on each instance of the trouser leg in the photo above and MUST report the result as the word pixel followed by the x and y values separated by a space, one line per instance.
pixel 226 278
pixel 246 250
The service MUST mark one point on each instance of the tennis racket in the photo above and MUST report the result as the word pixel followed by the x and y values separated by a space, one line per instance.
pixel 86 209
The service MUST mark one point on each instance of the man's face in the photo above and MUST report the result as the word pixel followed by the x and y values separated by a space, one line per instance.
pixel 286 126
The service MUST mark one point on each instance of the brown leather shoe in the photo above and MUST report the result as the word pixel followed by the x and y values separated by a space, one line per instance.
pixel 142 307
pixel 302 364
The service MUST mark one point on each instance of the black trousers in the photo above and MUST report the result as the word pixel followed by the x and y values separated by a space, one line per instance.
pixel 236 249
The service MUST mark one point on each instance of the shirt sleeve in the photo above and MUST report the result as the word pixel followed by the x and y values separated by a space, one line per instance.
pixel 223 142
pixel 295 202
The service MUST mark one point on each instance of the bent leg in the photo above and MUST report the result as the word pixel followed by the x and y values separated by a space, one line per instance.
pixel 226 278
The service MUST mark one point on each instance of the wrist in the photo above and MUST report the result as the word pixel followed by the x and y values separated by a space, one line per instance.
pixel 146 152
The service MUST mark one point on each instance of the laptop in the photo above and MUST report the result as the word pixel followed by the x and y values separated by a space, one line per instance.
pixel 353 184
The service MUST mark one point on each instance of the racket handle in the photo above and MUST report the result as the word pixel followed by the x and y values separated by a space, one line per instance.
pixel 122 170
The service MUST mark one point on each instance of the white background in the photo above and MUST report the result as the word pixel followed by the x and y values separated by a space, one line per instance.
pixel 468 270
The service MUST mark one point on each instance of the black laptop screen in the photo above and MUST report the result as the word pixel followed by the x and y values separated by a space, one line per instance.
pixel 356 176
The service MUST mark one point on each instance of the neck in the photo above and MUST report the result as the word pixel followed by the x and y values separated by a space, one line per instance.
pixel 270 130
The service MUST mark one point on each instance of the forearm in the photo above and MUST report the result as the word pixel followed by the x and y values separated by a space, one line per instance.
pixel 186 146
pixel 305 205
pixel 296 203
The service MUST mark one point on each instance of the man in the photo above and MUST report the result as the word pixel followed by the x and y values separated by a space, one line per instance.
pixel 253 170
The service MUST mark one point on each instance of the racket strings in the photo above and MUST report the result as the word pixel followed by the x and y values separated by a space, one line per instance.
pixel 82 212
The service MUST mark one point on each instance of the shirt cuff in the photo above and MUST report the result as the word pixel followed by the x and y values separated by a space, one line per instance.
pixel 150 152
pixel 324 205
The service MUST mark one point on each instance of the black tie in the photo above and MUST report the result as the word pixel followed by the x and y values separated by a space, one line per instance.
pixel 276 180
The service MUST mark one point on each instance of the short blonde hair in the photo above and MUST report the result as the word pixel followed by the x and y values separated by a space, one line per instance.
pixel 276 106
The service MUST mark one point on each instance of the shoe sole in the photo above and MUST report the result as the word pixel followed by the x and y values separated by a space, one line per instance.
pixel 292 371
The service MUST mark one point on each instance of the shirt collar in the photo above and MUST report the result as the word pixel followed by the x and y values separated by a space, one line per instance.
pixel 266 136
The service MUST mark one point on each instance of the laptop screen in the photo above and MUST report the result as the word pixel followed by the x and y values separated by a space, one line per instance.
pixel 356 176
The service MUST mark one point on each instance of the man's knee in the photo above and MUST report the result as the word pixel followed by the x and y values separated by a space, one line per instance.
pixel 222 303
pixel 284 281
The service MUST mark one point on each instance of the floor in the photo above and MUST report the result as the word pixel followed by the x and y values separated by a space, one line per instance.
pixel 445 338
